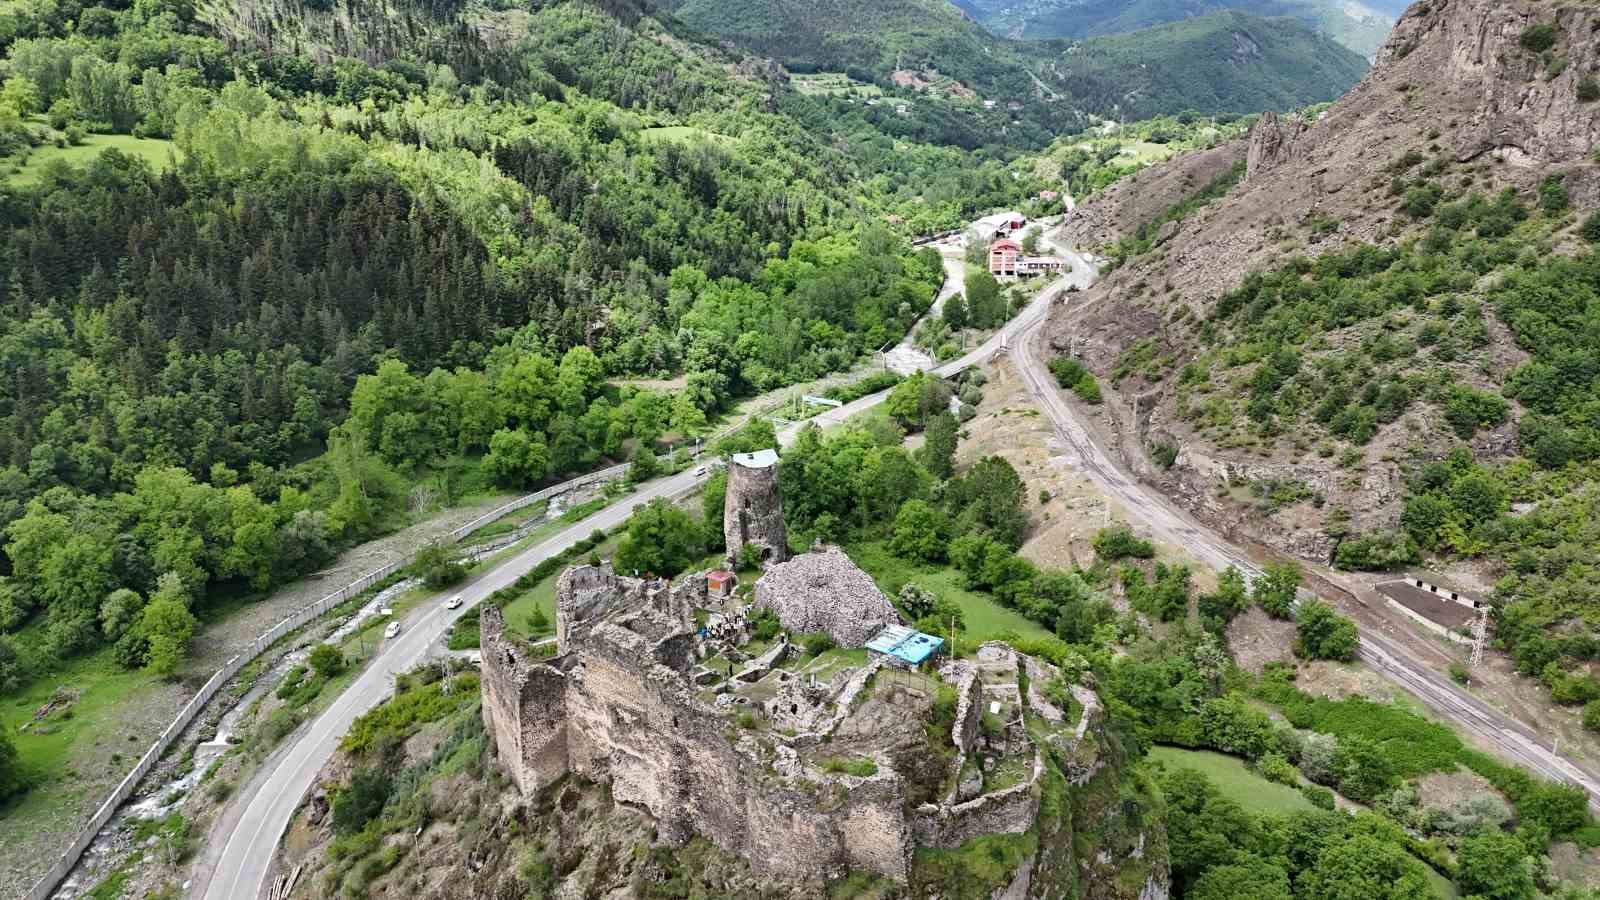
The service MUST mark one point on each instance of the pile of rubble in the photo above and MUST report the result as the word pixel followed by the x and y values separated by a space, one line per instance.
pixel 824 592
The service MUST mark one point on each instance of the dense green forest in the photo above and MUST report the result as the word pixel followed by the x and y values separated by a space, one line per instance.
pixel 1225 62
pixel 1335 350
pixel 1359 30
pixel 947 68
pixel 268 243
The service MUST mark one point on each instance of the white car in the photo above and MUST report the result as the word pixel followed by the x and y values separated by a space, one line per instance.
pixel 453 602
pixel 700 471
pixel 392 631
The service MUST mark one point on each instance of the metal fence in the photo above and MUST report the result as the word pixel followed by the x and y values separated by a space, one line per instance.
pixel 43 888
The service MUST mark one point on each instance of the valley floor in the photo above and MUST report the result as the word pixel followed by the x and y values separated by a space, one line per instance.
pixel 118 713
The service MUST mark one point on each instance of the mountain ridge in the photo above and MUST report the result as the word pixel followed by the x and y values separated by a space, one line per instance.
pixel 1354 25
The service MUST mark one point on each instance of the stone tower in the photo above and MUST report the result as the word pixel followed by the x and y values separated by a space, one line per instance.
pixel 753 512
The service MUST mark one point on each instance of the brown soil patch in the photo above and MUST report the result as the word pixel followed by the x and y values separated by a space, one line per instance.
pixel 1573 865
pixel 1338 681
pixel 1445 790
pixel 1257 639
pixel 1008 425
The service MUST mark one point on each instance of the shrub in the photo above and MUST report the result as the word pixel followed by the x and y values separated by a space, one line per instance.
pixel 1088 390
pixel 817 644
pixel 326 660
pixel 1275 589
pixel 1067 370
pixel 1591 715
pixel 1588 89
pixel 361 801
pixel 1273 767
pixel 1321 633
pixel 538 621
pixel 862 767
pixel 291 682
pixel 1320 797
pixel 1231 724
pixel 1553 196
pixel 1119 542
pixel 1460 674
pixel 1538 38
pixel 764 625
pixel 437 566
pixel 1163 454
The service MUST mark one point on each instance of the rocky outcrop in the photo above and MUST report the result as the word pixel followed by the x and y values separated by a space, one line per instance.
pixel 1271 142
pixel 1116 211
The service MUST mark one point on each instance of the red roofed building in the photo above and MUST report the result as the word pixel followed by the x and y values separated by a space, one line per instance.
pixel 720 583
pixel 1003 256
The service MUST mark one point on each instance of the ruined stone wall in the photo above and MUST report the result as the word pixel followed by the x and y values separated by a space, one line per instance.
pixel 1011 811
pixel 969 702
pixel 524 707
pixel 585 595
pixel 616 707
pixel 640 728
pixel 753 511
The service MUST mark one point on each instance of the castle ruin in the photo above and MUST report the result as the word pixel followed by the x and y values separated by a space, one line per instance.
pixel 807 767
pixel 753 512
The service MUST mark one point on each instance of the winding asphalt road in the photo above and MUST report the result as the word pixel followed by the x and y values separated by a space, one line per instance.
pixel 1390 658
pixel 242 844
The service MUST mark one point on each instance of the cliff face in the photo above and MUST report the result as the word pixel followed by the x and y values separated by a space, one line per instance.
pixel 1474 95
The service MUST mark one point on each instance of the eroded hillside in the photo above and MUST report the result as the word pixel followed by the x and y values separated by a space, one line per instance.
pixel 1298 405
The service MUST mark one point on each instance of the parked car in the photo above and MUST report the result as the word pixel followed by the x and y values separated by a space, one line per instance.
pixel 453 602
pixel 392 631
pixel 700 471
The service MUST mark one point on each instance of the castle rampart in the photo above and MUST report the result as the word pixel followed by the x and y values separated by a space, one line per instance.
pixel 617 707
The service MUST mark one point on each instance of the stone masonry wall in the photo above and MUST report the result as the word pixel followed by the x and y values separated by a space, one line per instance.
pixel 753 512
pixel 660 748
pixel 617 707
pixel 524 707
pixel 1011 811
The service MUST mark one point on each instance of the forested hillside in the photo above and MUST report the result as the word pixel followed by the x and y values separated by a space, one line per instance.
pixel 1356 27
pixel 972 82
pixel 460 242
pixel 1225 62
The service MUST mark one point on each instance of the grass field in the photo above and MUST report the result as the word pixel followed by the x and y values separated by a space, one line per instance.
pixel 986 619
pixel 1234 779
pixel 54 750
pixel 153 150
pixel 683 133
pixel 833 84
pixel 543 596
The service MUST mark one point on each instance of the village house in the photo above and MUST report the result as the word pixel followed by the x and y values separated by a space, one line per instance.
pixel 1003 256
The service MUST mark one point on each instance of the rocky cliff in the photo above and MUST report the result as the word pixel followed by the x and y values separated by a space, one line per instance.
pixel 1474 96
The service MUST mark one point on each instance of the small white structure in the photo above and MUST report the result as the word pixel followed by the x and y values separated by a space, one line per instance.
pixel 999 225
